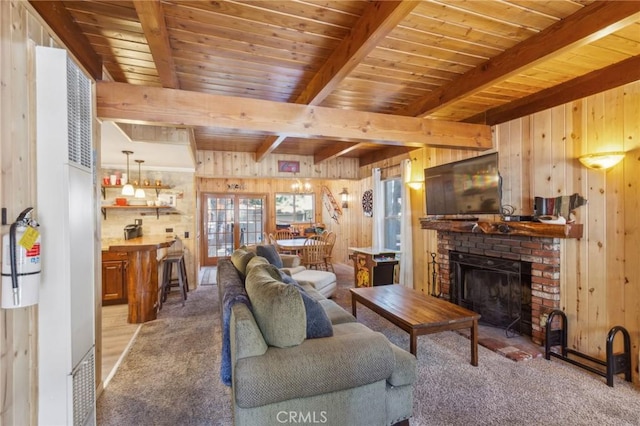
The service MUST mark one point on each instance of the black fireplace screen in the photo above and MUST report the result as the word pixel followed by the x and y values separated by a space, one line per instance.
pixel 498 289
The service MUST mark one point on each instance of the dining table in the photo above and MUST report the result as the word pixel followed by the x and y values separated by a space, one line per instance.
pixel 294 245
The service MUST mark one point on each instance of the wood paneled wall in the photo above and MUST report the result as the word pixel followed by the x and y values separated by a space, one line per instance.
pixel 269 186
pixel 216 164
pixel 20 32
pixel 216 170
pixel 600 276
pixel 600 273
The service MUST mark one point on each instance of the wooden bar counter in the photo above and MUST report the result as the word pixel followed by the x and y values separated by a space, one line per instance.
pixel 142 273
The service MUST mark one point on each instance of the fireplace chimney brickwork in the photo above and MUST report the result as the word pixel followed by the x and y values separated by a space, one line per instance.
pixel 542 252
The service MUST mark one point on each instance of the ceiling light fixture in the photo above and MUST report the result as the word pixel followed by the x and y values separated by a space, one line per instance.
pixel 602 160
pixel 128 188
pixel 139 192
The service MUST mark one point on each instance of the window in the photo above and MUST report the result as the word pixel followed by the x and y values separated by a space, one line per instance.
pixel 392 213
pixel 294 208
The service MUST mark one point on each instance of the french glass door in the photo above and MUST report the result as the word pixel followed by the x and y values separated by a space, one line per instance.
pixel 230 221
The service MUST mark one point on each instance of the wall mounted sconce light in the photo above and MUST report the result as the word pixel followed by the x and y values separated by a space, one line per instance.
pixel 602 160
pixel 128 189
pixel 415 184
pixel 344 195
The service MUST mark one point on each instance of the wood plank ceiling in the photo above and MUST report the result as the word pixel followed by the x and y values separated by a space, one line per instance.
pixel 482 61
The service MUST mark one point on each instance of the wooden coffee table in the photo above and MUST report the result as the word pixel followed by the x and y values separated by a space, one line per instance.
pixel 417 313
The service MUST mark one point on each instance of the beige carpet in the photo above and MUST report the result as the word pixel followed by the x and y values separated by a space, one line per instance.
pixel 170 377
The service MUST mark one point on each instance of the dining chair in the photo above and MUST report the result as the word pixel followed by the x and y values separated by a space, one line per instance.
pixel 313 253
pixel 283 234
pixel 329 240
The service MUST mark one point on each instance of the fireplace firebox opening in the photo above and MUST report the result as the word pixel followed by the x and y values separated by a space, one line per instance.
pixel 498 289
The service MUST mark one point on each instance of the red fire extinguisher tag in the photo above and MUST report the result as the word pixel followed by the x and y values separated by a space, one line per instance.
pixel 34 250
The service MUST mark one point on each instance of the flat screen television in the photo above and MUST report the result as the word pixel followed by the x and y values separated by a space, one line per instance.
pixel 466 187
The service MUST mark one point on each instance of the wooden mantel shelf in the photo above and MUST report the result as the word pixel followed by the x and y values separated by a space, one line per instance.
pixel 526 229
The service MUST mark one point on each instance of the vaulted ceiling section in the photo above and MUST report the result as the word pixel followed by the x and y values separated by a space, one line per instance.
pixel 365 79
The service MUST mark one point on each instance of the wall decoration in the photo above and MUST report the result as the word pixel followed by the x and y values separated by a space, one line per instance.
pixel 288 166
pixel 367 203
pixel 235 187
pixel 331 205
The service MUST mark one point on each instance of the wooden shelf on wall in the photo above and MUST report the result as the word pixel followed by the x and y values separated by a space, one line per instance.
pixel 156 208
pixel 526 229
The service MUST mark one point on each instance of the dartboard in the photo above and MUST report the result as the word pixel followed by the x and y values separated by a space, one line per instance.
pixel 367 202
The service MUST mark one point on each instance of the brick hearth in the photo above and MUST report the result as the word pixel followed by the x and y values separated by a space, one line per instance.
pixel 543 254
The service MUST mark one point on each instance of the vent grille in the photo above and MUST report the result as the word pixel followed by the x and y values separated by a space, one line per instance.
pixel 84 389
pixel 79 117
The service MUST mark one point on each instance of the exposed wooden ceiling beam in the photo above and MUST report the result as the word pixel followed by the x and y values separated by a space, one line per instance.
pixel 63 25
pixel 592 22
pixel 380 18
pixel 154 26
pixel 123 102
pixel 335 150
pixel 268 146
pixel 615 75
pixel 382 154
pixel 377 22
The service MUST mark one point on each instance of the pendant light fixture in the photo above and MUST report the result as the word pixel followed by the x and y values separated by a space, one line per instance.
pixel 140 192
pixel 127 189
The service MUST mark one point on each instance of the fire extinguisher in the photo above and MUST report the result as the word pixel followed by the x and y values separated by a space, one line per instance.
pixel 21 263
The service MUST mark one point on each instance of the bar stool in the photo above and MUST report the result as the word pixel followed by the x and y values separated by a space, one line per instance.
pixel 174 258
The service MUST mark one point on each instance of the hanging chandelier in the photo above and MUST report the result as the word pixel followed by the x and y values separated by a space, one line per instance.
pixel 301 188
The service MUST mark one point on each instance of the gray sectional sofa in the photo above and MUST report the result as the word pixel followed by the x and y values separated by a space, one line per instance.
pixel 293 356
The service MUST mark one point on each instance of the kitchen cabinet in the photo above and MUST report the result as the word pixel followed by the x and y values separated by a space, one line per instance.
pixel 141 273
pixel 114 278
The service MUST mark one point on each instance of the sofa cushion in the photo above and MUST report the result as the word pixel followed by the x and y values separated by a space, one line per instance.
pixel 278 308
pixel 404 371
pixel 323 281
pixel 315 367
pixel 336 314
pixel 240 258
pixel 256 260
pixel 318 323
pixel 269 252
pixel 319 279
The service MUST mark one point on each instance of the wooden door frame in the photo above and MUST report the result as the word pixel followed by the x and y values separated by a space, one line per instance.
pixel 204 241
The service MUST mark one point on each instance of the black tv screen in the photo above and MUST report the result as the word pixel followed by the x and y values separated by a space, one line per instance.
pixel 466 187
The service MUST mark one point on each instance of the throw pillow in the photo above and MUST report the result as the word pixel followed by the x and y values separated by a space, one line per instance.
pixel 269 252
pixel 240 258
pixel 256 260
pixel 277 307
pixel 318 322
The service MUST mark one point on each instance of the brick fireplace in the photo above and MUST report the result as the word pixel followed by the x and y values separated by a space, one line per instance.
pixel 535 243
